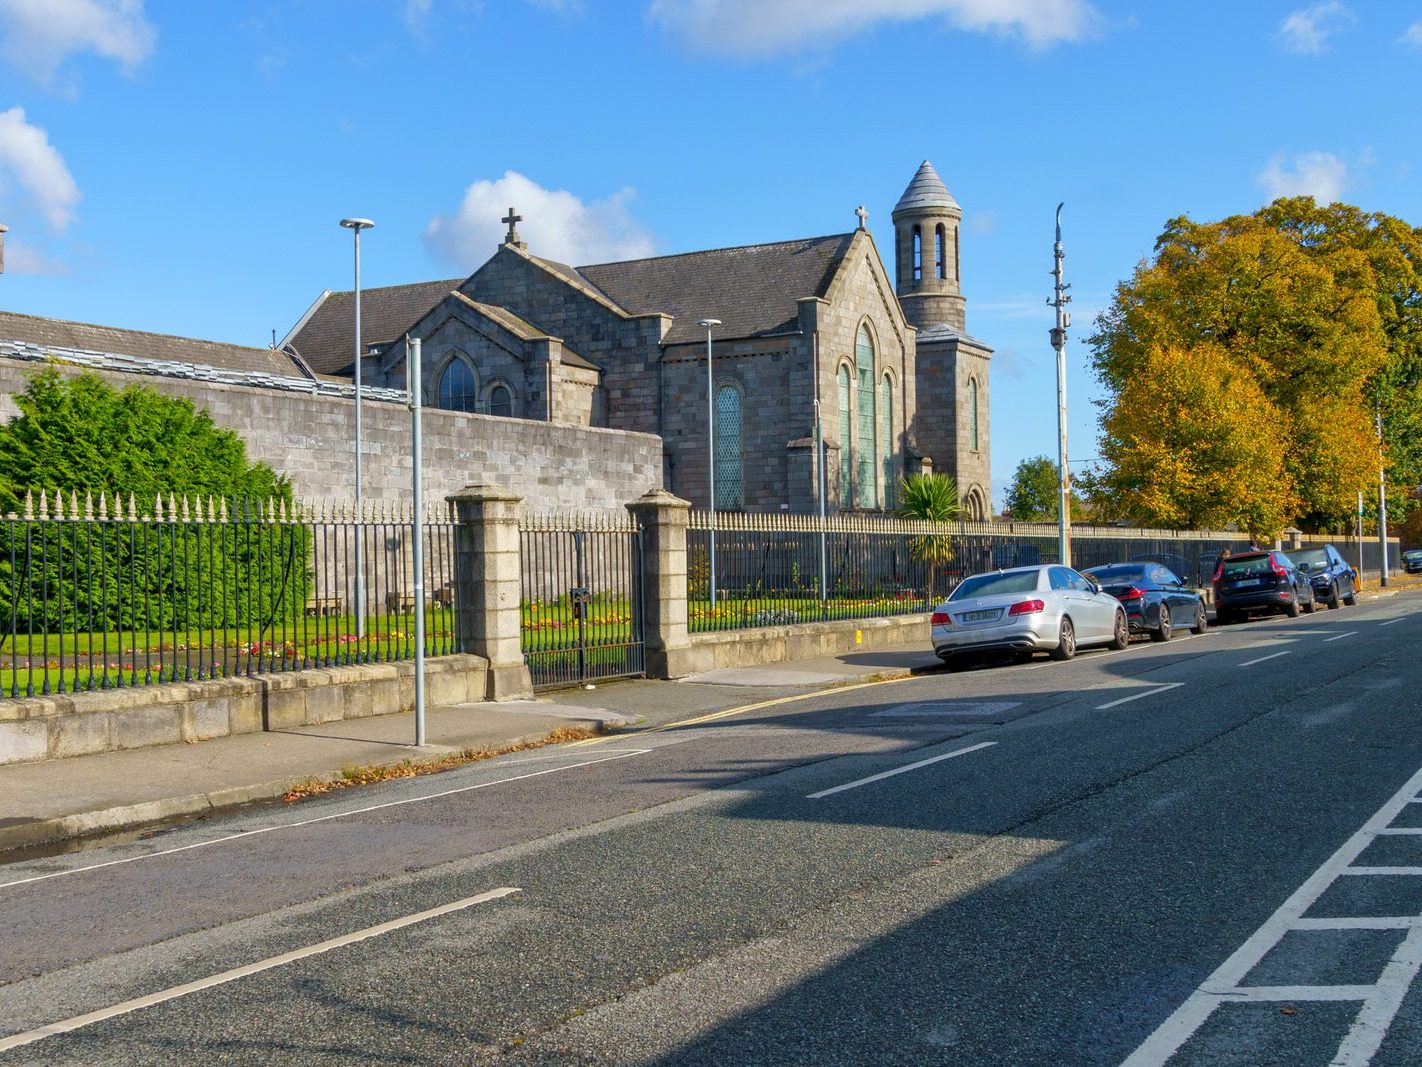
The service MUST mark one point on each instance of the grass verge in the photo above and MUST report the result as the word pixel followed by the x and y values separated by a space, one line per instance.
pixel 413 768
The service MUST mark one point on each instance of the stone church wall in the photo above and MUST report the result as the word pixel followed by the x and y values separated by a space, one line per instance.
pixel 310 440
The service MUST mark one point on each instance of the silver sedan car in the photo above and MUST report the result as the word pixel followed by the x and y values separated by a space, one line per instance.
pixel 1049 608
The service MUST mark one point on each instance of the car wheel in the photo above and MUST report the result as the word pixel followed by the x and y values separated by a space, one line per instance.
pixel 1291 609
pixel 1121 636
pixel 1334 603
pixel 1162 625
pixel 1202 620
pixel 1066 643
pixel 1351 598
pixel 1311 606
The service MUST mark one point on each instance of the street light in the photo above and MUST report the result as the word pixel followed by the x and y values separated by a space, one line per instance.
pixel 355 226
pixel 708 324
pixel 3 231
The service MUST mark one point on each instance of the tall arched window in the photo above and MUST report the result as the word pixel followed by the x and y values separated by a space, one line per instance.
pixel 957 266
pixel 730 489
pixel 973 414
pixel 456 387
pixel 917 254
pixel 886 427
pixel 845 424
pixel 501 400
pixel 940 250
pixel 866 441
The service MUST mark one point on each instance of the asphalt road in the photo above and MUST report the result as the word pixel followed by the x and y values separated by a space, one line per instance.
pixel 1194 853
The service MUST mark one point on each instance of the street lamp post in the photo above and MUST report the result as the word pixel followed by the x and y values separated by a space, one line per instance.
pixel 708 325
pixel 1059 301
pixel 3 231
pixel 355 226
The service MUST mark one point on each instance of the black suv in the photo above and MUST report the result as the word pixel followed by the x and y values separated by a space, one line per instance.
pixel 1263 580
pixel 1334 581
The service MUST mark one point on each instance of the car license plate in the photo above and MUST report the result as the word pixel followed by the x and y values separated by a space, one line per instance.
pixel 980 616
pixel 1248 581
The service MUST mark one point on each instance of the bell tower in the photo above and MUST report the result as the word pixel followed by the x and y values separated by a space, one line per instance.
pixel 926 224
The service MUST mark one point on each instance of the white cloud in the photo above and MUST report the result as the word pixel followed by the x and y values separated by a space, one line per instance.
pixel 28 160
pixel 1306 31
pixel 756 28
pixel 557 225
pixel 1412 36
pixel 22 258
pixel 40 35
pixel 1321 175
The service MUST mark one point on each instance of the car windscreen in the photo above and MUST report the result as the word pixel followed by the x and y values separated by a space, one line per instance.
pixel 991 584
pixel 1314 557
pixel 1117 572
pixel 1239 566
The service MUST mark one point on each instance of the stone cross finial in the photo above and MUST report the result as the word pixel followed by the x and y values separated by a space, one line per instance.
pixel 511 238
pixel 863 214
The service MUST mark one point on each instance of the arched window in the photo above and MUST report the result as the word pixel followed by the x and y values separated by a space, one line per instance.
pixel 866 441
pixel 917 254
pixel 730 490
pixel 886 427
pixel 940 258
pixel 456 387
pixel 973 414
pixel 844 432
pixel 501 400
pixel 957 267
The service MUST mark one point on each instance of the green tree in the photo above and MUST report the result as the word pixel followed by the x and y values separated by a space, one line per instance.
pixel 1035 493
pixel 1316 311
pixel 931 498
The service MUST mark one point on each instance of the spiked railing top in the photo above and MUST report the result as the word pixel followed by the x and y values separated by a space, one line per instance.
pixel 68 506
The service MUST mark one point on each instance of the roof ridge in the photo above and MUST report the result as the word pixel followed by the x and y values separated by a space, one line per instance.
pixel 708 251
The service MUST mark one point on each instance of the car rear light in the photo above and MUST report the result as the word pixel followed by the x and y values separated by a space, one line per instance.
pixel 940 618
pixel 1131 594
pixel 1026 607
pixel 1278 568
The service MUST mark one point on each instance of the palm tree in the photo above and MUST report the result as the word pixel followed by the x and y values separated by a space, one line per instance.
pixel 933 498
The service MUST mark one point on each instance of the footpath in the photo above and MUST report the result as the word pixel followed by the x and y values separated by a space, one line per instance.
pixel 44 805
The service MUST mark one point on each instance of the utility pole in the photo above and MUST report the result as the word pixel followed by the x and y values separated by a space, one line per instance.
pixel 1382 501
pixel 1058 333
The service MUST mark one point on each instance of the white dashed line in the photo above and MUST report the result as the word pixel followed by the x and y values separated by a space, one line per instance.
pixel 898 770
pixel 1339 637
pixel 1137 696
pixel 1261 659
pixel 1394 622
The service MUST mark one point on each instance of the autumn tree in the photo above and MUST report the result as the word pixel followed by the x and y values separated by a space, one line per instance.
pixel 1312 313
pixel 1036 491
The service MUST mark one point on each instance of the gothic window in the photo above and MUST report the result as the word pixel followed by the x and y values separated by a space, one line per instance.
pixel 845 417
pixel 973 414
pixel 730 491
pixel 957 267
pixel 940 259
pixel 886 426
pixel 501 400
pixel 866 440
pixel 457 391
pixel 917 254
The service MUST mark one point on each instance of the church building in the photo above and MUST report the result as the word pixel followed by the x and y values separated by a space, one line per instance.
pixel 802 334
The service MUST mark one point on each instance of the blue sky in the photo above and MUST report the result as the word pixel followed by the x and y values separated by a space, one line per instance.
pixel 181 167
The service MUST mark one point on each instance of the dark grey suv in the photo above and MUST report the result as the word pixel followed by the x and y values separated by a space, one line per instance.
pixel 1334 581
pixel 1263 580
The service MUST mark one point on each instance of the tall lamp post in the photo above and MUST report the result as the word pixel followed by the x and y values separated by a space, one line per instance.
pixel 3 231
pixel 1059 301
pixel 708 325
pixel 355 226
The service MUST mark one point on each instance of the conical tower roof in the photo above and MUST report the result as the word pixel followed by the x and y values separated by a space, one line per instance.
pixel 926 191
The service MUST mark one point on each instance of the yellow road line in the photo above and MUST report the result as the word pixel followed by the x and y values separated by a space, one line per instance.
pixel 729 712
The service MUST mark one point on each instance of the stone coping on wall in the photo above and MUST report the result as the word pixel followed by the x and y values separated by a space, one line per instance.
pixel 779 644
pixel 76 724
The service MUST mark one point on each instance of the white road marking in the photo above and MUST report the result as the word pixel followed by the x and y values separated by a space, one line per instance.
pixel 1339 637
pixel 1407 872
pixel 1394 622
pixel 899 770
pixel 174 992
pixel 320 818
pixel 1380 1002
pixel 1137 696
pixel 1261 659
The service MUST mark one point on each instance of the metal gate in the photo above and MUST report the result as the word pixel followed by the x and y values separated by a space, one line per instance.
pixel 581 609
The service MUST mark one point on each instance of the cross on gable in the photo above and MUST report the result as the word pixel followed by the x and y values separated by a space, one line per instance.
pixel 863 214
pixel 512 219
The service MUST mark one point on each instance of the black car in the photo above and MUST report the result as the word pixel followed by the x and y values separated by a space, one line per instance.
pixel 1262 580
pixel 1155 599
pixel 1334 581
pixel 1412 560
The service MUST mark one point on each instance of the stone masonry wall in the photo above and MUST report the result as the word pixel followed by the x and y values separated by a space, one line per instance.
pixel 310 439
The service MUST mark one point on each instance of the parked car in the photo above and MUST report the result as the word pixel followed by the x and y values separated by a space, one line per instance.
pixel 1155 599
pixel 1046 608
pixel 1262 580
pixel 1334 581
pixel 1412 560
pixel 1181 566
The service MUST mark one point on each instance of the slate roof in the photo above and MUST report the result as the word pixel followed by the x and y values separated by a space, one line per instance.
pixel 926 191
pixel 82 336
pixel 326 338
pixel 753 290
pixel 525 331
